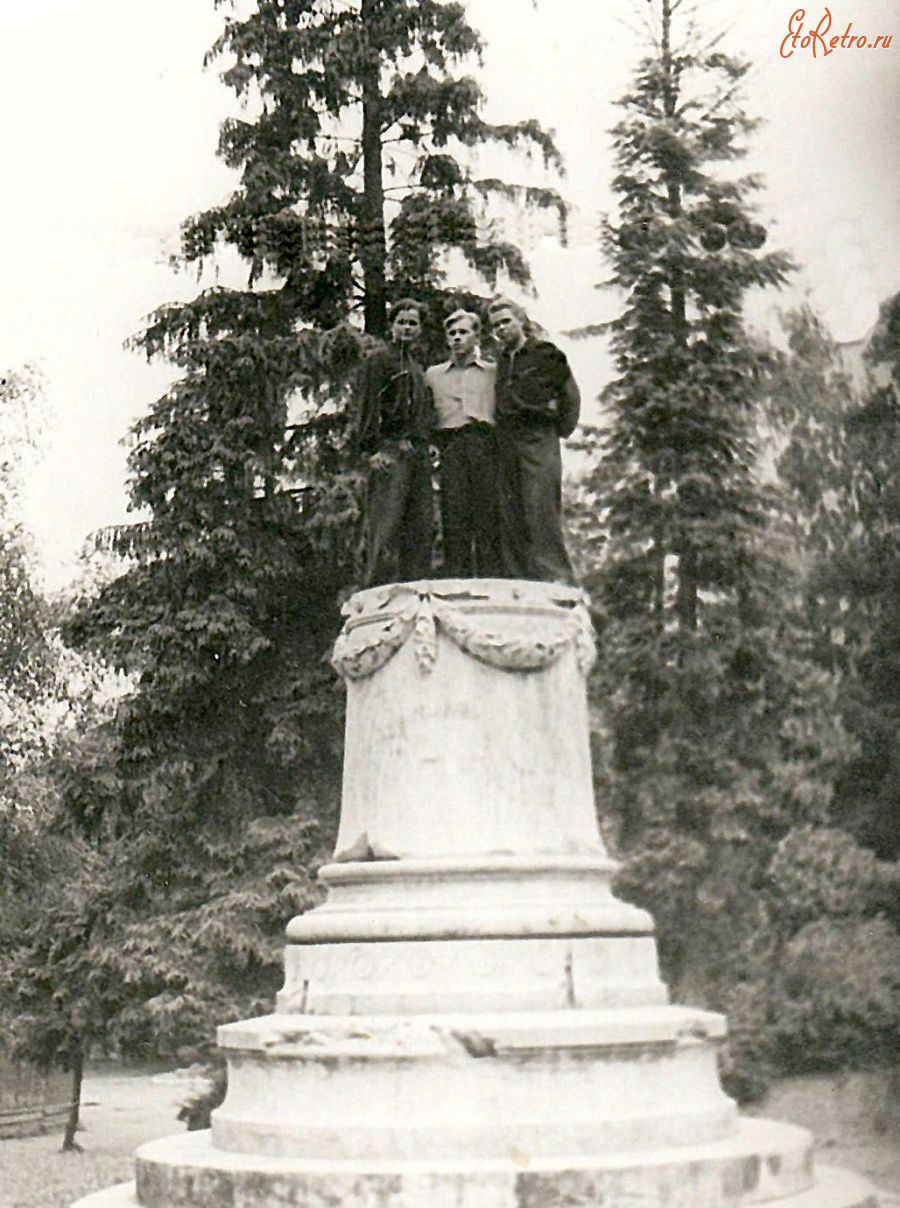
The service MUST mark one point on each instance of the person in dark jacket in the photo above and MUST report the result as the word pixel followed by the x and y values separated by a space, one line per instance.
pixel 394 409
pixel 537 403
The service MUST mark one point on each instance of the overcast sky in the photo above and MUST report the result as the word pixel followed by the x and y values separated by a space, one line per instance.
pixel 108 139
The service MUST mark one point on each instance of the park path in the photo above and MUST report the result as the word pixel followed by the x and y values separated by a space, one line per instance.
pixel 121 1110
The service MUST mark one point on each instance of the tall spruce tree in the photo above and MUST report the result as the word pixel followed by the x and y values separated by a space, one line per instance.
pixel 685 507
pixel 355 172
pixel 236 579
pixel 230 742
pixel 721 733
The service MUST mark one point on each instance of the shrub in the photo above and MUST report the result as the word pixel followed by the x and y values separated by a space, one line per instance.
pixel 821 872
pixel 830 1001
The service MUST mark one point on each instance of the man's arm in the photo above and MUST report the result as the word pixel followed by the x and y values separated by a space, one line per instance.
pixel 367 402
pixel 430 410
pixel 570 406
pixel 545 391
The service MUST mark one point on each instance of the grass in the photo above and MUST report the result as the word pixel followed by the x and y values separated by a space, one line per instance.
pixel 34 1174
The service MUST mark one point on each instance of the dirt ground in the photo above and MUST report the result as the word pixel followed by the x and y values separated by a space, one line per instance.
pixel 854 1118
pixel 121 1111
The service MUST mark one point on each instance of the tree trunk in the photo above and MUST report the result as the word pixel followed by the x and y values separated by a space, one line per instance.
pixel 69 1144
pixel 373 250
pixel 686 600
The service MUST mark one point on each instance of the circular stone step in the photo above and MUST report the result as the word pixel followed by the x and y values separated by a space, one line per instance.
pixel 832 1188
pixel 760 1162
pixel 472 1086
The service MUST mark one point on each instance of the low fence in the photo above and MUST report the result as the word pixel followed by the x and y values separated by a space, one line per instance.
pixel 31 1102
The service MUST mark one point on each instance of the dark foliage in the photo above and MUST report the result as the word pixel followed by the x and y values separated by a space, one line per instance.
pixel 218 791
pixel 717 733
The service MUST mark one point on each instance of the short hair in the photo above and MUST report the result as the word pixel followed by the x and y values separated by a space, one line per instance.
pixel 405 304
pixel 462 313
pixel 501 303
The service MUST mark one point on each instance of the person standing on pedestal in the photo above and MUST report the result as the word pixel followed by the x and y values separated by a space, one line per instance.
pixel 537 403
pixel 394 410
pixel 463 394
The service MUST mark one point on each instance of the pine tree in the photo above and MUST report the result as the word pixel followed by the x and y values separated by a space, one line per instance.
pixel 685 508
pixel 355 175
pixel 720 733
pixel 229 744
pixel 230 600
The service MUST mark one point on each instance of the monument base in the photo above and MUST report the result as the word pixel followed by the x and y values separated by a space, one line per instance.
pixel 472 1019
pixel 574 1108
pixel 550 1085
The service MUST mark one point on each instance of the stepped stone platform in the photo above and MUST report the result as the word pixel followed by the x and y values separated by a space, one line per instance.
pixel 472 1019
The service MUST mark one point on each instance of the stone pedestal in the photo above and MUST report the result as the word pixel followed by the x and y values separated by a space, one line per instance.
pixel 472 1020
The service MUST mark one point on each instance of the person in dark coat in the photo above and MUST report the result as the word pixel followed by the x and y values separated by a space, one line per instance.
pixel 462 390
pixel 394 410
pixel 537 403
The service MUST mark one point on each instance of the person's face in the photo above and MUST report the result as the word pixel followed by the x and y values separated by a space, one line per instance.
pixel 507 328
pixel 462 338
pixel 405 327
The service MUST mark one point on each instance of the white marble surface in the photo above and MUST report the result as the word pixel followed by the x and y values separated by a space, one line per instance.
pixel 432 975
pixel 463 758
pixel 759 1163
pixel 549 1084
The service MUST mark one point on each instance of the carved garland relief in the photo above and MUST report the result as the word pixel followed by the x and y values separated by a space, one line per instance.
pixel 362 650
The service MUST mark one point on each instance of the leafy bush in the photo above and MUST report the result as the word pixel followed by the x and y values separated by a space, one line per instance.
pixel 814 982
pixel 822 871
pixel 830 1000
